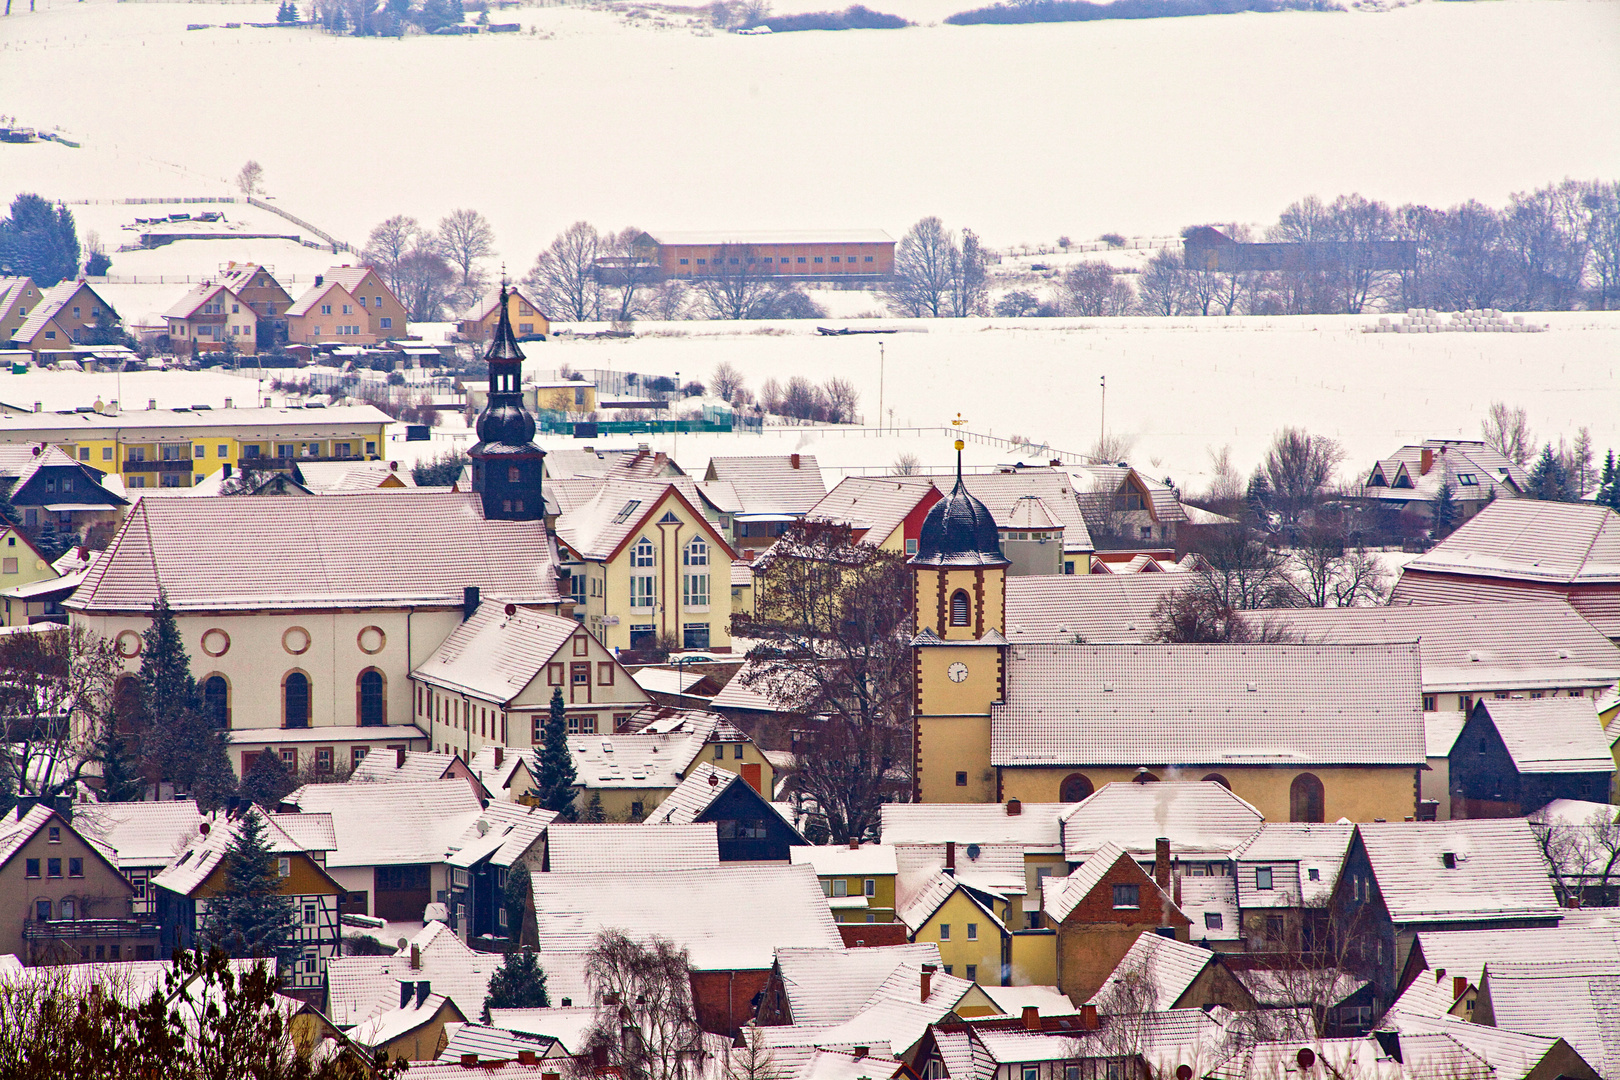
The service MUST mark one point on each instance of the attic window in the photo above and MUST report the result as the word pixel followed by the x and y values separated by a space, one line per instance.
pixel 1262 878
pixel 624 515
pixel 1314 874
pixel 669 518
pixel 1212 920
pixel 1449 860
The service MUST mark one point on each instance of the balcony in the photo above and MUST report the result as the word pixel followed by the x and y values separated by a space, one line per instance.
pixel 181 465
pixel 76 929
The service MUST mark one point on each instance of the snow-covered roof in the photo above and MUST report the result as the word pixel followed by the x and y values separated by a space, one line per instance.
pixel 1013 1000
pixel 894 1017
pixel 1212 905
pixel 1511 1055
pixel 828 986
pixel 1530 540
pixel 991 868
pixel 1576 1000
pixel 332 477
pixel 494 1044
pixel 616 512
pixel 503 833
pixel 574 848
pixel 1101 608
pixel 1293 851
pixel 1060 895
pixel 697 793
pixel 928 896
pixel 494 655
pixel 365 550
pixel 667 680
pixel 771 483
pixel 17 829
pixel 1440 731
pixel 1552 734
pixel 359 987
pixel 409 765
pixel 1495 872
pixel 411 821
pixel 1168 968
pixel 1034 825
pixel 215 837
pixel 1466 952
pixel 1523 644
pixel 693 908
pixel 567 1024
pixel 1200 818
pixel 497 779
pixel 142 833
pixel 876 504
pixel 1209 705
pixel 646 759
pixel 383 1028
pixel 832 860
pixel 1474 470
pixel 1003 493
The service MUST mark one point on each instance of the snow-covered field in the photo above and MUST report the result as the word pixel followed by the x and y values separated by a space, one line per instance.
pixel 1021 132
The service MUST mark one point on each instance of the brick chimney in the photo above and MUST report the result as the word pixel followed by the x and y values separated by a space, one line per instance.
pixel 854 843
pixel 399 757
pixel 950 856
pixel 416 958
pixel 499 755
pixel 1088 1018
pixel 1459 987
pixel 793 459
pixel 1161 863
pixel 469 1061
pixel 1014 808
pixel 1032 1018
pixel 860 1051
pixel 927 984
pixel 1426 462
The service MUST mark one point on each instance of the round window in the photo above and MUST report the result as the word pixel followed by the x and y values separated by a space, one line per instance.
pixel 128 643
pixel 295 639
pixel 371 640
pixel 216 642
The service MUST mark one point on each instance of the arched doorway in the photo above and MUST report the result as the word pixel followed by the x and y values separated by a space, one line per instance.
pixel 1306 800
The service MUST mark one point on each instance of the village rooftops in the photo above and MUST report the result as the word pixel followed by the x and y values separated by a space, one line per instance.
pixel 1551 735
pixel 494 655
pixel 360 987
pixel 894 1017
pixel 218 835
pixel 1036 826
pixel 1098 608
pixel 1451 871
pixel 1304 859
pixel 787 484
pixel 1415 472
pixel 503 833
pixel 1576 1000
pixel 1202 819
pixel 780 236
pixel 696 909
pixel 1531 540
pixel 411 821
pixel 1510 1055
pixel 1254 704
pixel 616 512
pixel 1167 967
pixel 1060 895
pixel 873 505
pixel 644 759
pixel 360 550
pixel 142 833
pixel 586 849
pixel 840 859
pixel 828 986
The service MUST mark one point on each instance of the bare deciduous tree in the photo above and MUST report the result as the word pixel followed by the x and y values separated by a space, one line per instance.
pixel 250 179
pixel 425 284
pixel 925 261
pixel 1240 571
pixel 1507 431
pixel 1583 857
pixel 646 1027
pixel 835 619
pixel 1330 572
pixel 389 243
pixel 563 278
pixel 842 399
pixel 726 380
pixel 1162 285
pixel 465 236
pixel 1299 466
pixel 56 699
pixel 907 464
pixel 1092 289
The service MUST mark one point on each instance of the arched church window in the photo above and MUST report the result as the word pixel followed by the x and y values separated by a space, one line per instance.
pixel 960 609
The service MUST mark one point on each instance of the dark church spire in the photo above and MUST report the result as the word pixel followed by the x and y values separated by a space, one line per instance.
pixel 506 463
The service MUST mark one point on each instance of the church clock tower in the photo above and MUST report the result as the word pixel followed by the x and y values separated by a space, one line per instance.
pixel 506 463
pixel 960 654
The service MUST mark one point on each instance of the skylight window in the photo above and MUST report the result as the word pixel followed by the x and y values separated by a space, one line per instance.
pixel 1467 479
pixel 624 515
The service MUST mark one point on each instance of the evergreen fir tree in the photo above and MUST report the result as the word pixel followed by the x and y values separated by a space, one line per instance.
pixel 8 513
pixel 250 917
pixel 1609 484
pixel 554 765
pixel 120 770
pixel 268 781
pixel 1443 514
pixel 516 900
pixel 519 983
pixel 167 687
pixel 1549 478
pixel 180 744
pixel 594 814
pixel 1259 497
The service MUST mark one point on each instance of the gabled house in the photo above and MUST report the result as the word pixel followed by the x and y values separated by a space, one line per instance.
pixel 433 960
pixel 1508 1055
pixel 1514 757
pixel 1452 962
pixel 767 493
pixel 893 1022
pixel 507 775
pixel 50 488
pixel 477 324
pixel 64 316
pixel 1522 549
pixel 328 312
pixel 1576 1000
pixel 1160 973
pixel 385 315
pixel 884 512
pixel 627 774
pixel 731 956
pixel 259 289
pixel 1409 481
pixel 17 296
pixel 748 825
pixel 1124 508
pixel 145 836
pixel 416 765
pixel 505 835
pixel 858 880
pixel 392 840
pixel 1097 914
pixel 186 887
pixel 491 681
pixel 1401 878
pixel 1284 875
pixel 1202 821
pixel 67 900
pixel 21 563
pixel 645 566
pixel 413 1032
pixel 207 318
pixel 968 922
pixel 828 986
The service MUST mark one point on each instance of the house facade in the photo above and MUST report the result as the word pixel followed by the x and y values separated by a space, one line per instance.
pixel 211 318
pixel 17 296
pixel 528 318
pixel 63 317
pixel 259 289
pixel 384 312
pixel 833 254
pixel 327 312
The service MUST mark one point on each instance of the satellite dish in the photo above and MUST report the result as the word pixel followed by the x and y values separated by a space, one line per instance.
pixel 403 942
pixel 973 851
pixel 511 609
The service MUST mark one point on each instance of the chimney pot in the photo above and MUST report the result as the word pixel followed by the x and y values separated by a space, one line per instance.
pixel 1088 1017
pixel 416 958
pixel 1426 462
pixel 1459 987
pixel 469 602
pixel 927 981
pixel 1014 807
pixel 320 279
pixel 151 405
pixel 39 406
pixel 950 855
pixel 861 1052
pixel 794 458
pixel 406 989
pixel 226 470
pixel 1439 975
pixel 1032 1018
pixel 854 843
pixel 423 989
pixel 1161 862
pixel 227 403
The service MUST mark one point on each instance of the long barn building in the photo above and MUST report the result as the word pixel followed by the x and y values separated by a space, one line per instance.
pixel 836 254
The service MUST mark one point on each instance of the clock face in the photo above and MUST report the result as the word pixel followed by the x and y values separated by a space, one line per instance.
pixel 957 671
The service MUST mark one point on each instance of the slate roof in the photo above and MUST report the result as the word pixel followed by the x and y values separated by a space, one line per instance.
pixel 1168 966
pixel 142 833
pixel 828 986
pixel 1523 644
pixel 1036 825
pixel 359 550
pixel 877 504
pixel 359 987
pixel 606 848
pixel 1499 873
pixel 693 908
pixel 769 484
pixel 1099 608
pixel 1551 735
pixel 410 821
pixel 1199 818
pixel 1138 705
pixel 494 655
pixel 1530 540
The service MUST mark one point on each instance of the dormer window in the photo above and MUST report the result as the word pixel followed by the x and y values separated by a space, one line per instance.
pixel 1449 860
